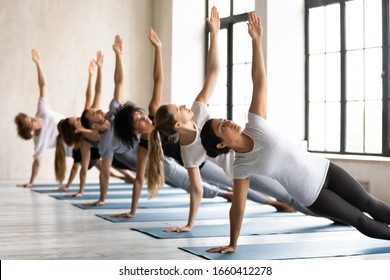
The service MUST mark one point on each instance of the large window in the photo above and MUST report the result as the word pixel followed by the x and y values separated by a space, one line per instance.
pixel 234 89
pixel 347 77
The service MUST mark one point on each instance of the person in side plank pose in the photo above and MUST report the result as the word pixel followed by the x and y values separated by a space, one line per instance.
pixel 84 141
pixel 43 127
pixel 323 187
pixel 109 145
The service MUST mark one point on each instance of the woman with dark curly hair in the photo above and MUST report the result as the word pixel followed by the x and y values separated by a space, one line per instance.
pixel 43 127
pixel 131 121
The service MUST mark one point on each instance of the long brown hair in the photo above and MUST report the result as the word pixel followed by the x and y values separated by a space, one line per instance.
pixel 164 123
pixel 67 135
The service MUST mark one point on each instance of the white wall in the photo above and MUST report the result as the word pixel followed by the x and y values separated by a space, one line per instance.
pixel 67 35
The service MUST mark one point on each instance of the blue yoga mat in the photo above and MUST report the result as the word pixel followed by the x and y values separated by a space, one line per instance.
pixel 76 189
pixel 279 225
pixel 297 250
pixel 145 204
pixel 128 194
pixel 203 214
pixel 76 185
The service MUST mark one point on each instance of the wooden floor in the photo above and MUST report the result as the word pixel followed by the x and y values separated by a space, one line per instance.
pixel 35 226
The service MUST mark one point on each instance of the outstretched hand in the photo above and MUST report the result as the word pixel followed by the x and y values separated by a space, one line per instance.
pixel 178 229
pixel 153 37
pixel 62 189
pixel 35 55
pixel 222 250
pixel 99 59
pixel 117 46
pixel 124 215
pixel 92 67
pixel 27 185
pixel 95 203
pixel 74 195
pixel 255 28
pixel 214 21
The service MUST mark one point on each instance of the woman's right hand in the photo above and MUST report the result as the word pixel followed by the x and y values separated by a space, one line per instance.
pixel 123 215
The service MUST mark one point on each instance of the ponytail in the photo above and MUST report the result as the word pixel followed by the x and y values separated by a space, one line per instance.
pixel 164 123
pixel 60 160
pixel 156 178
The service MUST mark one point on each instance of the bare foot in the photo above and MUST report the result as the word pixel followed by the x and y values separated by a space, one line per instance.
pixel 282 206
pixel 227 194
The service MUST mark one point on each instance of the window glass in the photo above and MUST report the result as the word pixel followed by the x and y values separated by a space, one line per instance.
pixel 333 80
pixel 373 73
pixel 373 127
pixel 317 30
pixel 354 24
pixel 317 77
pixel 332 127
pixel 316 126
pixel 223 7
pixel 243 6
pixel 355 75
pixel 218 101
pixel 354 126
pixel 242 44
pixel 373 23
pixel 242 91
pixel 332 28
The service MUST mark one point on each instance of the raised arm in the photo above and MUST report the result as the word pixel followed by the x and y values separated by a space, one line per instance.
pixel 41 74
pixel 158 75
pixel 155 102
pixel 88 93
pixel 98 86
pixel 259 77
pixel 118 75
pixel 213 64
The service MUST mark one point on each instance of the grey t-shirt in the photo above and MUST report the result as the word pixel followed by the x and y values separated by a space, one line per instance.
pixel 301 173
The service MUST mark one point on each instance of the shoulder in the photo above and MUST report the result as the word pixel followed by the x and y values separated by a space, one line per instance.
pixel 114 104
pixel 255 118
pixel 201 113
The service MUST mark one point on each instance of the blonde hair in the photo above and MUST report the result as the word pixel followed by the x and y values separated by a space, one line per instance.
pixel 163 122
pixel 156 177
pixel 60 160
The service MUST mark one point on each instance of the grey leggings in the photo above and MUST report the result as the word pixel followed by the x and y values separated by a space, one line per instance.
pixel 260 186
pixel 177 176
pixel 342 198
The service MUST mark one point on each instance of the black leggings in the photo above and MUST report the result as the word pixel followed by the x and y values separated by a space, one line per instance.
pixel 342 198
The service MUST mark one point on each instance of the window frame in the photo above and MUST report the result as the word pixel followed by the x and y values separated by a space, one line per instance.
pixel 343 102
